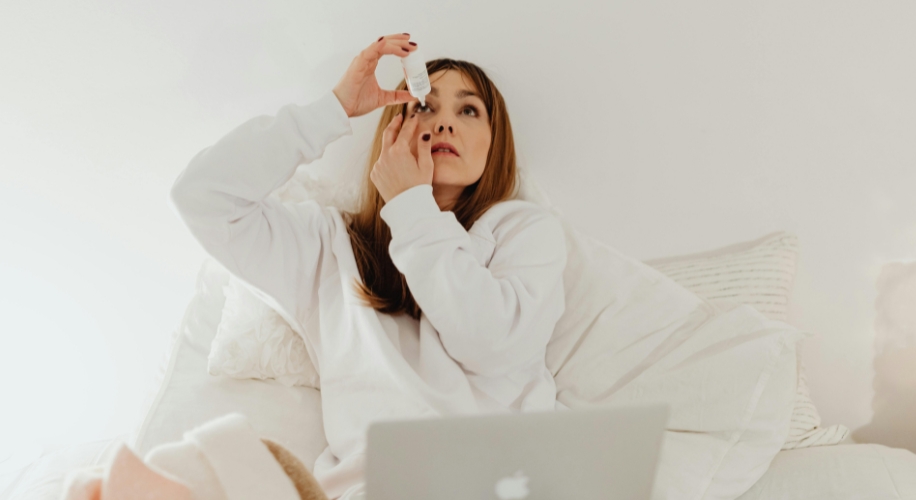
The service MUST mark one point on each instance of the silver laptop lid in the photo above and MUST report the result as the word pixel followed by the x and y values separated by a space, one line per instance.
pixel 604 453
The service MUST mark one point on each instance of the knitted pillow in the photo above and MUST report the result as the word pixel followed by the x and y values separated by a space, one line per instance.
pixel 253 341
pixel 759 273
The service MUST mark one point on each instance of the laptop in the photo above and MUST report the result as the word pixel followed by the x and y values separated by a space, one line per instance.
pixel 603 453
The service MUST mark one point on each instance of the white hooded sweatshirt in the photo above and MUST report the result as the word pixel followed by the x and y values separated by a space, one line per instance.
pixel 490 297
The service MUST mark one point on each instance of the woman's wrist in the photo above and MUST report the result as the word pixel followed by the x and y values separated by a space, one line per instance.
pixel 349 115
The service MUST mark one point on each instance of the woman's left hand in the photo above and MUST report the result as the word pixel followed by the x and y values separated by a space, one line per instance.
pixel 397 170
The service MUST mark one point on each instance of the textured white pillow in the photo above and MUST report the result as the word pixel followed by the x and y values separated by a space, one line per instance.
pixel 253 341
pixel 759 273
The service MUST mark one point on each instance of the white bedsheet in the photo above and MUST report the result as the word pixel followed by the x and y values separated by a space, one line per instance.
pixel 841 472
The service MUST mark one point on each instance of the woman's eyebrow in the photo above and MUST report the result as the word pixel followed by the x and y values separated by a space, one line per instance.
pixel 461 93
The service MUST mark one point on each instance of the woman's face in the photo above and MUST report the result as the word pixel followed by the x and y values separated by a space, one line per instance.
pixel 456 115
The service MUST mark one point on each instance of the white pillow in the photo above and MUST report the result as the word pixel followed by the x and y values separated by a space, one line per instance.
pixel 759 273
pixel 253 341
pixel 628 335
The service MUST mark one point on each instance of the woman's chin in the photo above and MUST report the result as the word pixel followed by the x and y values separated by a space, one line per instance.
pixel 449 177
pixel 439 176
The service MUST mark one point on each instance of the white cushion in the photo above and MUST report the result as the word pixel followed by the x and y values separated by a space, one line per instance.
pixel 253 341
pixel 759 273
pixel 632 334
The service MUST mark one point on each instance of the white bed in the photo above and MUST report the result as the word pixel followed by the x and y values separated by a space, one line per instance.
pixel 188 396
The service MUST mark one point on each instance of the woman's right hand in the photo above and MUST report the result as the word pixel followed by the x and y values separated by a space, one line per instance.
pixel 358 90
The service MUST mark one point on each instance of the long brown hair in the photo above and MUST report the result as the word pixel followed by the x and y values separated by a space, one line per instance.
pixel 383 287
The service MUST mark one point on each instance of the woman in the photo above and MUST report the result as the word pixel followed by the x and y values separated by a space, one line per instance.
pixel 436 297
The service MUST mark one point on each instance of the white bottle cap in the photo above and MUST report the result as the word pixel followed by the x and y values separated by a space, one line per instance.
pixel 414 61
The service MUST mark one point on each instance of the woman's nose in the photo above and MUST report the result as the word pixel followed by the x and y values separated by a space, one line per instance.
pixel 440 122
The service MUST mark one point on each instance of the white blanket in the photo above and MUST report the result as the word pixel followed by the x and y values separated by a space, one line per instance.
pixel 631 334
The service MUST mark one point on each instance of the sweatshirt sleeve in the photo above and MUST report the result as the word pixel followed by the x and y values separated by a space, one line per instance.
pixel 492 319
pixel 222 197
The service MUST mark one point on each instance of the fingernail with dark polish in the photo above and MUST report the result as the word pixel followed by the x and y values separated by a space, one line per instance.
pixel 380 38
pixel 425 137
pixel 411 43
pixel 405 50
pixel 408 34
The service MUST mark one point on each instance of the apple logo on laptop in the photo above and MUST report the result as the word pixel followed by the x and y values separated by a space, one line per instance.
pixel 512 487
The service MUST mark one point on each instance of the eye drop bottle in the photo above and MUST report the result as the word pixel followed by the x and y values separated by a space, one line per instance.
pixel 416 76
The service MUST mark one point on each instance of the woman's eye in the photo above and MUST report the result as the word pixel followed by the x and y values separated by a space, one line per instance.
pixel 420 107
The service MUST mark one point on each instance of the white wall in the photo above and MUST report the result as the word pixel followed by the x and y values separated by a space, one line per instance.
pixel 662 127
